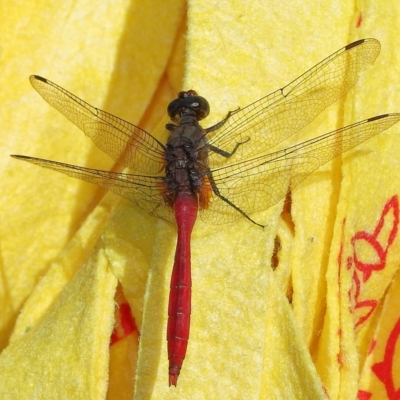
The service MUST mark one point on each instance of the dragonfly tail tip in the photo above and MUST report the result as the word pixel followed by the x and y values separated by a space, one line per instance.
pixel 173 376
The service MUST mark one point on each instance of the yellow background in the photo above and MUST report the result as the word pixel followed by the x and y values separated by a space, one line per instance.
pixel 64 245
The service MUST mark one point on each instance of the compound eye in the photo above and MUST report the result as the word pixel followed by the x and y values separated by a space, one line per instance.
pixel 174 109
pixel 201 106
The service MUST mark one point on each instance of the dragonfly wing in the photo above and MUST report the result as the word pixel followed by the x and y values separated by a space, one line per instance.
pixel 279 115
pixel 144 191
pixel 123 142
pixel 259 183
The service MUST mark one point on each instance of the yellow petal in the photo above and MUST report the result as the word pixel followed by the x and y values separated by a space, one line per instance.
pixel 66 353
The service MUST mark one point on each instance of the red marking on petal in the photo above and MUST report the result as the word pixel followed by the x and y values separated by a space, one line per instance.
pixel 359 21
pixel 389 220
pixel 371 346
pixel 384 369
pixel 114 337
pixel 378 244
pixel 363 395
pixel 124 322
pixel 127 321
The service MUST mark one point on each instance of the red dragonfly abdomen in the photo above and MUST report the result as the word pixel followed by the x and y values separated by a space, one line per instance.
pixel 185 206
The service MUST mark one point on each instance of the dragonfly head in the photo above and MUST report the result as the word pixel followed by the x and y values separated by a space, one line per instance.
pixel 189 100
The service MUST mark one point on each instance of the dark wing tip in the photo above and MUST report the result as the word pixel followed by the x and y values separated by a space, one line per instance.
pixel 378 117
pixel 355 44
pixel 358 42
pixel 37 78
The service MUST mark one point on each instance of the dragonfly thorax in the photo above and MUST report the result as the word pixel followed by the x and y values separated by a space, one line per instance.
pixel 184 160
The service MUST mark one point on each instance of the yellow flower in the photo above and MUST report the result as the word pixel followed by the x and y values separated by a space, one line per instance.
pixel 66 245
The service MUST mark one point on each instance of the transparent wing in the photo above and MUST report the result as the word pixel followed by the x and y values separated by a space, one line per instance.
pixel 124 142
pixel 144 191
pixel 279 115
pixel 258 183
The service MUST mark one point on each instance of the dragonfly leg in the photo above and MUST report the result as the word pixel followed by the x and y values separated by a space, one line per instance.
pixel 221 123
pixel 226 200
pixel 224 153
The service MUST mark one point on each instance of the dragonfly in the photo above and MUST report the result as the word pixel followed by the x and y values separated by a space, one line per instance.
pixel 225 172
